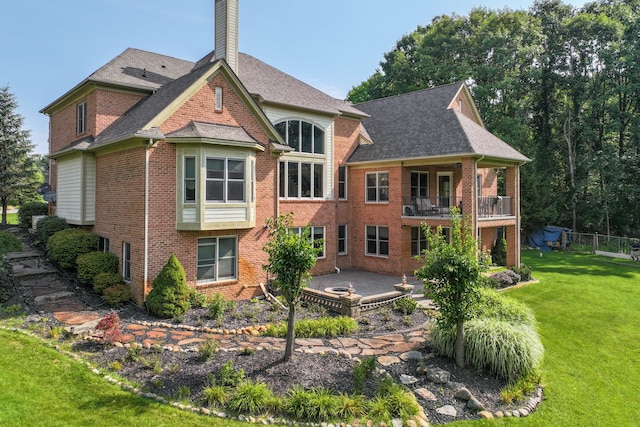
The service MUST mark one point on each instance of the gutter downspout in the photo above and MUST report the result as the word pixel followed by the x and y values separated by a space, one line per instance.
pixel 148 145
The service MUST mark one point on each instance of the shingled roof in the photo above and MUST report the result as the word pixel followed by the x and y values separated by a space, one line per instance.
pixel 165 78
pixel 419 125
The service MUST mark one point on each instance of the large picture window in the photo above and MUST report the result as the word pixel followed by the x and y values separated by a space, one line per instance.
pixel 377 187
pixel 302 136
pixel 225 180
pixel 217 259
pixel 301 180
pixel 377 240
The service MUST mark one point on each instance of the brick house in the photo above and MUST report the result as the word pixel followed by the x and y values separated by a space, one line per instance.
pixel 158 155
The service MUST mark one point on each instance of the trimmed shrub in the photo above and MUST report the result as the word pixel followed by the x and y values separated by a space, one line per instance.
pixel 524 271
pixel 29 209
pixel 117 295
pixel 48 226
pixel 499 252
pixel 65 246
pixel 405 305
pixel 515 277
pixel 103 281
pixel 501 279
pixel 169 296
pixel 9 243
pixel 94 263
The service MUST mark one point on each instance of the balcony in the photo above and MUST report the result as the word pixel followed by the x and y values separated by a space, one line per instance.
pixel 439 207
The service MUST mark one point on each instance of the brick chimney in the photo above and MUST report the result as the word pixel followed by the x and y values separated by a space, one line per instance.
pixel 226 32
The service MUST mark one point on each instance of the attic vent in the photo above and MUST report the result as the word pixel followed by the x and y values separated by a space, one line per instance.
pixel 144 72
pixel 164 66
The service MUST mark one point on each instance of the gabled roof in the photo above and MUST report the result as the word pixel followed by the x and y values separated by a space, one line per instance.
pixel 419 125
pixel 166 79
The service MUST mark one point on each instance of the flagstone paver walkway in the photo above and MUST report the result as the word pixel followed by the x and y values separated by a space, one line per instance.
pixel 41 284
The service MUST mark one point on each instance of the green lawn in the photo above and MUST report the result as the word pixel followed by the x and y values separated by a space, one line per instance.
pixel 12 218
pixel 41 387
pixel 588 308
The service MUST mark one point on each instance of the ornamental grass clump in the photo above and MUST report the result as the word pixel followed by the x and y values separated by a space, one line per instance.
pixel 502 338
pixel 251 397
pixel 316 328
pixel 169 296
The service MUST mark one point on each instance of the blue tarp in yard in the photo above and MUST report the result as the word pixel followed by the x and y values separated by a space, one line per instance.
pixel 547 238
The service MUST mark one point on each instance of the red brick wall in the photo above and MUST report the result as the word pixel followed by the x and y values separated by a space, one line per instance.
pixel 120 208
pixel 110 105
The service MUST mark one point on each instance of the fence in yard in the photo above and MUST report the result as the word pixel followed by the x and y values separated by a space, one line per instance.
pixel 600 243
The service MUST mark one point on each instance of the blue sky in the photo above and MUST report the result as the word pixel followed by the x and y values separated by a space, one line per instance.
pixel 49 46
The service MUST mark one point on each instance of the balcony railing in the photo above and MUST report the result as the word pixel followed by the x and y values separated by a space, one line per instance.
pixel 429 206
pixel 487 206
pixel 495 206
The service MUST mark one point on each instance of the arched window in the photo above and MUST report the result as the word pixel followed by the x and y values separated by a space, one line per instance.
pixel 302 136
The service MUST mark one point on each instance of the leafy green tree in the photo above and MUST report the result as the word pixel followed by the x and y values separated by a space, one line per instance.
pixel 451 274
pixel 19 176
pixel 291 256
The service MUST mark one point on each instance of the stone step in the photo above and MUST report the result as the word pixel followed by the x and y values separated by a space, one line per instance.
pixel 83 329
pixel 56 296
pixel 21 273
pixel 21 256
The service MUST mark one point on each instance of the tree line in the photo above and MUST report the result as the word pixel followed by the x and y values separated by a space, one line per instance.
pixel 560 84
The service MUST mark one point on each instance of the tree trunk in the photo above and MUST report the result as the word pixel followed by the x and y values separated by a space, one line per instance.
pixel 459 351
pixel 291 332
pixel 4 210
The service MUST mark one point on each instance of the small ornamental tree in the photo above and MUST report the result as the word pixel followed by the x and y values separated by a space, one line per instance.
pixel 169 296
pixel 291 256
pixel 451 274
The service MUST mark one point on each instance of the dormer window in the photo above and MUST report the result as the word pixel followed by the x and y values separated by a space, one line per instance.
pixel 218 99
pixel 81 124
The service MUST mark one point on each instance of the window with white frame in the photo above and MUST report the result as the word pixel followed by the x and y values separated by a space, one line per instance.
pixel 218 92
pixel 377 187
pixel 225 180
pixel 316 234
pixel 342 239
pixel 190 179
pixel 342 182
pixel 418 241
pixel 301 179
pixel 126 261
pixel 81 116
pixel 377 240
pixel 217 259
pixel 302 136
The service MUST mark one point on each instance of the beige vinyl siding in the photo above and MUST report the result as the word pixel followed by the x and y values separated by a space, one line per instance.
pixel 76 189
pixel 277 115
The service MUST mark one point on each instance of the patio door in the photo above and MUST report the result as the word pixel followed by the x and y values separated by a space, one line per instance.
pixel 445 180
